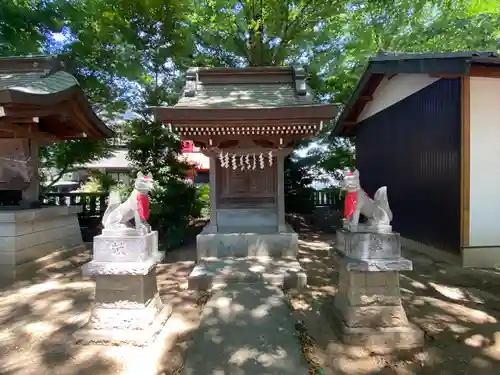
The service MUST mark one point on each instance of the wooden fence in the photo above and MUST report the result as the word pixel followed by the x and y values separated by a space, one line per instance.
pixel 328 198
pixel 94 205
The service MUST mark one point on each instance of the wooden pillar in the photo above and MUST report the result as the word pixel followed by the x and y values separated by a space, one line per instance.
pixel 32 192
pixel 465 164
pixel 213 193
pixel 280 196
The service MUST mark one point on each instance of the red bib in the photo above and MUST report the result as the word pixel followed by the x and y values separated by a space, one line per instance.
pixel 143 206
pixel 350 204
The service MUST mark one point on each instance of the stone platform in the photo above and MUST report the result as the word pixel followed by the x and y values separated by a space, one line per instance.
pixel 32 239
pixel 127 307
pixel 215 272
pixel 245 330
pixel 241 242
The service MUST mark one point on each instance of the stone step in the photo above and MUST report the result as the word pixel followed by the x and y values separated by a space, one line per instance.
pixel 245 329
pixel 246 242
pixel 216 272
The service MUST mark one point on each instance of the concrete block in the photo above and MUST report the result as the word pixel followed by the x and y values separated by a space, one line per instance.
pixel 130 290
pixel 124 324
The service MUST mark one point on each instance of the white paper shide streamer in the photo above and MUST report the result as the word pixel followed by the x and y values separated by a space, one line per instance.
pixel 245 162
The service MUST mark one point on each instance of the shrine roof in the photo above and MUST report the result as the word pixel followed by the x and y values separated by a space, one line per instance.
pixel 225 95
pixel 387 65
pixel 245 88
pixel 40 88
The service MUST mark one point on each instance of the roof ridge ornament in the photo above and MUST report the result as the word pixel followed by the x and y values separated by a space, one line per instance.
pixel 299 75
pixel 191 82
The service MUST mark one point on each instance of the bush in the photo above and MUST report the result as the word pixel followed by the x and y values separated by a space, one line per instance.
pixel 173 201
pixel 204 200
pixel 172 207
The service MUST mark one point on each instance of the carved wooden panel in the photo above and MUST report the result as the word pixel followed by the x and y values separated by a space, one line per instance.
pixel 247 187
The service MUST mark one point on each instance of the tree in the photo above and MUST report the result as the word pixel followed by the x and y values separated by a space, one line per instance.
pixel 298 190
pixel 24 26
pixel 70 155
pixel 158 33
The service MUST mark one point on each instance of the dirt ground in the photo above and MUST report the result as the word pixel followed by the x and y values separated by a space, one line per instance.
pixel 458 309
pixel 37 319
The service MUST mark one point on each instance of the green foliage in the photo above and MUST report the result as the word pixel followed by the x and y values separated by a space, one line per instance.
pixel 24 25
pixel 70 155
pixel 100 182
pixel 132 54
pixel 204 199
pixel 330 156
pixel 173 201
pixel 298 192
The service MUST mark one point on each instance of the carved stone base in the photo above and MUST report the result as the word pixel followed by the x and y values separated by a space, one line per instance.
pixel 367 309
pixel 127 307
pixel 366 227
pixel 117 247
pixel 137 326
pixel 368 245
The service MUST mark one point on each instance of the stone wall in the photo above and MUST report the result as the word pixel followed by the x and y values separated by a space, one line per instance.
pixel 31 239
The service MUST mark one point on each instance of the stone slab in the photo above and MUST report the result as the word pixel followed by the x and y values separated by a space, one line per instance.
pixel 247 244
pixel 368 245
pixel 94 268
pixel 245 330
pixel 243 217
pixel 213 272
pixel 112 326
pixel 10 272
pixel 380 265
pixel 17 216
pixel 379 340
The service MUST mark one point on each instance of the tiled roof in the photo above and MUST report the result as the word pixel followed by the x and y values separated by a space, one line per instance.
pixel 37 82
pixel 239 89
pixel 245 95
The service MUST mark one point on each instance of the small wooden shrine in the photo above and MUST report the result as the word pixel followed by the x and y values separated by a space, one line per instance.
pixel 246 121
pixel 40 103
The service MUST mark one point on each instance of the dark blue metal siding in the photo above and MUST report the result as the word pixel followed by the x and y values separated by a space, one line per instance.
pixel 413 147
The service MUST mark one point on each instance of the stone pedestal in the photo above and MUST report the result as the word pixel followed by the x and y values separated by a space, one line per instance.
pixel 367 308
pixel 127 306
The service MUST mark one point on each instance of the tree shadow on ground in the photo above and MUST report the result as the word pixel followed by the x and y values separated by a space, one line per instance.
pixel 458 309
pixel 245 330
pixel 37 319
pixel 39 316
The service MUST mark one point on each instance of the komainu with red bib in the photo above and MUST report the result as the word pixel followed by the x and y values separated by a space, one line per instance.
pixel 119 214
